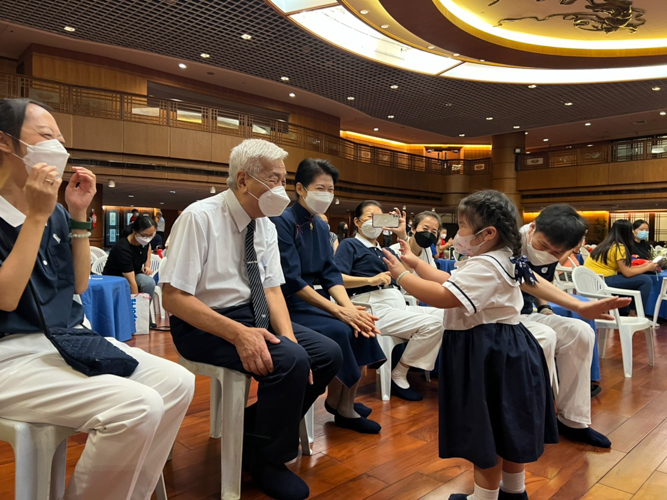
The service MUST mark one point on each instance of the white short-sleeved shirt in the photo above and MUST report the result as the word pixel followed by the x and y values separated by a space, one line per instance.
pixel 207 252
pixel 488 292
pixel 425 254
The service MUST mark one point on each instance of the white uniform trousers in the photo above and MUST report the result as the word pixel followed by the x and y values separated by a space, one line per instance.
pixel 131 422
pixel 570 341
pixel 421 326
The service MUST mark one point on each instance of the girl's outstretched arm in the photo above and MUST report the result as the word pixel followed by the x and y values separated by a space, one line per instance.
pixel 423 269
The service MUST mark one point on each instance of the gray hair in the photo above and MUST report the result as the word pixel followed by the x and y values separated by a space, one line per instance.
pixel 249 156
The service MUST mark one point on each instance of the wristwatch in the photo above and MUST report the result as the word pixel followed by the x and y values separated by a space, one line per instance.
pixel 75 224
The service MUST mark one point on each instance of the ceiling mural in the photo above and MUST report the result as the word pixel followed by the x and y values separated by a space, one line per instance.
pixel 607 16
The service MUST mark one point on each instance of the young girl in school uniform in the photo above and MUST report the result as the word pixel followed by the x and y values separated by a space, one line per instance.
pixel 496 405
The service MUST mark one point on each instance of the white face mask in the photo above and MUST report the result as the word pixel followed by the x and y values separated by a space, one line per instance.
pixel 539 257
pixel 369 231
pixel 318 201
pixel 143 240
pixel 51 152
pixel 273 202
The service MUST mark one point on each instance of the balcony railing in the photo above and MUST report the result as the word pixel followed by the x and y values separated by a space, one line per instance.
pixel 648 148
pixel 98 103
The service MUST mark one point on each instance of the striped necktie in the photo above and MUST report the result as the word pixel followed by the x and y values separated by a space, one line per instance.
pixel 259 305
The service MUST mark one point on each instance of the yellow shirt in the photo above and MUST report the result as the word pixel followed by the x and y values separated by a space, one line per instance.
pixel 611 267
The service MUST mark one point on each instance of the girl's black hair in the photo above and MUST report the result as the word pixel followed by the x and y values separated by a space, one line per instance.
pixel 492 208
pixel 310 168
pixel 12 116
pixel 638 223
pixel 342 231
pixel 362 206
pixel 140 224
pixel 620 234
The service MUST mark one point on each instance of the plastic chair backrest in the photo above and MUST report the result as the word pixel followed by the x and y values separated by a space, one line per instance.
pixel 98 265
pixel 586 281
pixel 163 261
pixel 96 253
pixel 155 262
pixel 584 252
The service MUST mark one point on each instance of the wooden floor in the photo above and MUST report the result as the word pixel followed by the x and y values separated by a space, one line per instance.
pixel 402 462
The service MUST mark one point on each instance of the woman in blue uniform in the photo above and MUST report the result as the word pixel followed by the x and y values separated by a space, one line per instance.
pixel 307 259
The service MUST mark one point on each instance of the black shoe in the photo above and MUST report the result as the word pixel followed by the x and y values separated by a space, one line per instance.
pixel 278 482
pixel 360 424
pixel 458 496
pixel 360 408
pixel 503 495
pixel 408 394
pixel 595 389
pixel 152 326
pixel 586 435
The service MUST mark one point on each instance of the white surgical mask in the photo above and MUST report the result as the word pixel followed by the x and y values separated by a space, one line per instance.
pixel 51 152
pixel 273 202
pixel 539 257
pixel 143 240
pixel 318 201
pixel 369 231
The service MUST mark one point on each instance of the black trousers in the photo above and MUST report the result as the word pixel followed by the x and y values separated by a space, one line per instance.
pixel 284 396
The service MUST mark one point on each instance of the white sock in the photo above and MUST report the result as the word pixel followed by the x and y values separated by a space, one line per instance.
pixel 400 376
pixel 571 423
pixel 483 494
pixel 513 482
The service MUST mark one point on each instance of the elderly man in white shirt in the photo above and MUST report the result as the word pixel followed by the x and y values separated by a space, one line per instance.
pixel 222 283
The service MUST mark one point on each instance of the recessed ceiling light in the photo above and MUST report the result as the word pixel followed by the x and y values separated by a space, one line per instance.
pixel 384 26
pixel 462 135
pixel 69 28
pixel 364 12
pixel 182 66
pixel 245 36
pixel 172 192
pixel 112 183
pixel 663 113
pixel 482 60
pixel 568 104
pixel 526 133
pixel 590 146
pixel 655 89
pixel 162 203
pixel 285 78
pixel 587 124
pixel 393 87
pixel 517 126
pixel 376 129
pixel 350 98
pixel 391 117
pixel 545 140
pixel 489 118
pixel 130 196
pixel 292 94
pixel 532 86
pixel 204 55
pixel 456 54
pixel 431 47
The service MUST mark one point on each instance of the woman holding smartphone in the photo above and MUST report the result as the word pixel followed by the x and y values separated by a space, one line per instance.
pixel 368 282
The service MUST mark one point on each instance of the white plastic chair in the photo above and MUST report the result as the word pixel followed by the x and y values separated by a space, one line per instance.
pixel 157 264
pixel 40 454
pixel 563 279
pixel 98 265
pixel 96 253
pixel 658 302
pixel 229 396
pixel 583 251
pixel 589 284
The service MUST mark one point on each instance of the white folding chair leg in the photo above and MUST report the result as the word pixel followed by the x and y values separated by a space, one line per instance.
pixel 216 408
pixel 306 432
pixel 160 489
pixel 231 439
pixel 626 350
pixel 602 341
pixel 385 377
pixel 649 344
pixel 58 469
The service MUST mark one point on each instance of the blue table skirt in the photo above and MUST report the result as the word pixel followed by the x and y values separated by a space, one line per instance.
pixel 650 305
pixel 566 313
pixel 108 307
pixel 446 265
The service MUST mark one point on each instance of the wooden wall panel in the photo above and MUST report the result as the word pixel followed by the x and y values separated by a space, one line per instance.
pixel 97 134
pixel 65 125
pixel 322 122
pixel 190 144
pixel 221 145
pixel 8 65
pixel 626 173
pixel 86 74
pixel 145 139
pixel 592 175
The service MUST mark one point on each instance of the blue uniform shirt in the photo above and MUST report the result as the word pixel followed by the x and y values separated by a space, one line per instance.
pixel 545 271
pixel 52 278
pixel 355 257
pixel 306 254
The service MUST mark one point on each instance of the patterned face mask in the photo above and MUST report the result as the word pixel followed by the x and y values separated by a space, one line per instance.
pixel 462 244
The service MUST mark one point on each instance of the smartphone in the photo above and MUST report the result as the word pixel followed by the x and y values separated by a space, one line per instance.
pixel 385 220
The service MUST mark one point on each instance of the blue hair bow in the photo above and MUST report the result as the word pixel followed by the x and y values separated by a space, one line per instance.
pixel 522 271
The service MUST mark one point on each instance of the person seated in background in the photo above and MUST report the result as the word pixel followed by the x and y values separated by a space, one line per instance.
pixel 612 259
pixel 307 259
pixel 342 231
pixel 131 422
pixel 641 247
pixel 333 237
pixel 221 282
pixel 161 225
pixel 130 257
pixel 568 343
pixel 135 215
pixel 366 277
pixel 443 245
pixel 427 225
